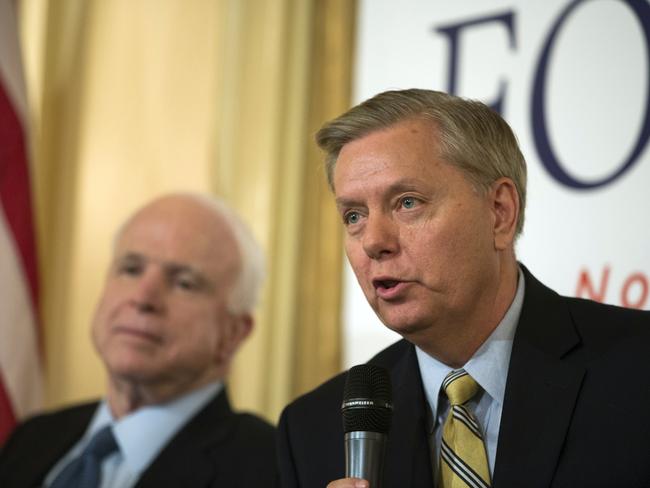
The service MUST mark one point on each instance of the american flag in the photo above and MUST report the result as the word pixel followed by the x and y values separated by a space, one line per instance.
pixel 20 358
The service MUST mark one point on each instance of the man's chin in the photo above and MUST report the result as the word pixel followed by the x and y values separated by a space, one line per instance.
pixel 402 325
pixel 131 368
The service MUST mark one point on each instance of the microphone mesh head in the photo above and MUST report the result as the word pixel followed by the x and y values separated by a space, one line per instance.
pixel 367 400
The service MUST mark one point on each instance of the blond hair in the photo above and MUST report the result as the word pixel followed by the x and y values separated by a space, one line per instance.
pixel 472 136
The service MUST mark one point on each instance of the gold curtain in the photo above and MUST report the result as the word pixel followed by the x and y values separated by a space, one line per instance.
pixel 132 99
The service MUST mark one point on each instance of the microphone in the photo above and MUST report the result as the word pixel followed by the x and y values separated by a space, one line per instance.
pixel 367 411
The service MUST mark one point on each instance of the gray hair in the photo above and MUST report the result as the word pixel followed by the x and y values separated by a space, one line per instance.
pixel 246 289
pixel 472 136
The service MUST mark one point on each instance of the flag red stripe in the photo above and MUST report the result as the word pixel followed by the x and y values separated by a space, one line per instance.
pixel 15 191
pixel 7 417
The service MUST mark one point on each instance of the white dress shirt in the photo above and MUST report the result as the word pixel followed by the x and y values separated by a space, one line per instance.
pixel 140 436
pixel 489 367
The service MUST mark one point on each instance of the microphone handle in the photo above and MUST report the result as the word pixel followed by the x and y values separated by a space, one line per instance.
pixel 364 456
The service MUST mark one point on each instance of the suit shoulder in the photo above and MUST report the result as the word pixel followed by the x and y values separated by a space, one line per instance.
pixel 596 323
pixel 390 356
pixel 582 310
pixel 53 422
pixel 64 413
pixel 254 427
pixel 610 335
pixel 330 393
pixel 247 433
pixel 40 439
pixel 610 313
pixel 610 321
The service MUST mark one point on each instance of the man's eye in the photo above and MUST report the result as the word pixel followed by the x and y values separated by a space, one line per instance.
pixel 185 284
pixel 129 269
pixel 351 218
pixel 409 202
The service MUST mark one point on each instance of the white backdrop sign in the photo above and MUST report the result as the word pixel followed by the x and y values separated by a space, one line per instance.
pixel 572 79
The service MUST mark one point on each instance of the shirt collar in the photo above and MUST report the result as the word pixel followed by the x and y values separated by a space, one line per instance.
pixel 489 364
pixel 142 434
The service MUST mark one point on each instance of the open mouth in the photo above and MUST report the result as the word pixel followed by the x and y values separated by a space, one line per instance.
pixel 385 284
pixel 390 289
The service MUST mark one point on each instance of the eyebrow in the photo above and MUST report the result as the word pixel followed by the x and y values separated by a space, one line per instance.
pixel 173 265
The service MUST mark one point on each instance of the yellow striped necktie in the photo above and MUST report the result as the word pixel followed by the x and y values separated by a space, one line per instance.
pixel 463 460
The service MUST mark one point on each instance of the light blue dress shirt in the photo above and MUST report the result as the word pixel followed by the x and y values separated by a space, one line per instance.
pixel 140 436
pixel 489 367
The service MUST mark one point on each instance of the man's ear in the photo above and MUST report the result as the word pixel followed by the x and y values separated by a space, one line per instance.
pixel 234 333
pixel 505 206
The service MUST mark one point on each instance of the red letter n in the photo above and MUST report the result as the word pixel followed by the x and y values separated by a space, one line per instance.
pixel 585 288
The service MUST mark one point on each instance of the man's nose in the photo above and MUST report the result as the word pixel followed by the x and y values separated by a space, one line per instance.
pixel 380 236
pixel 148 291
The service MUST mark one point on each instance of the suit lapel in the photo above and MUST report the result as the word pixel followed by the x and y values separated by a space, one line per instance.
pixel 192 457
pixel 57 441
pixel 408 454
pixel 541 391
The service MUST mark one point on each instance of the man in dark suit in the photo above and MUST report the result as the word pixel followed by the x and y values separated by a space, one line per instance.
pixel 176 306
pixel 431 191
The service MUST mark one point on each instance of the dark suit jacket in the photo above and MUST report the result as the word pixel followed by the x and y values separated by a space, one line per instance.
pixel 216 448
pixel 576 410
